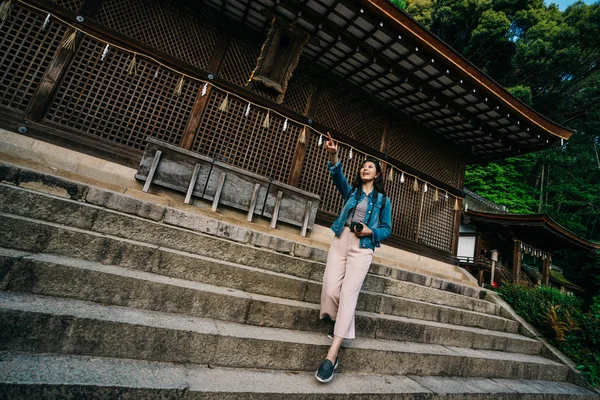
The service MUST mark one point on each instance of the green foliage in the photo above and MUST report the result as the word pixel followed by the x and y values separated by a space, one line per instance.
pixel 561 318
pixel 401 4
pixel 522 93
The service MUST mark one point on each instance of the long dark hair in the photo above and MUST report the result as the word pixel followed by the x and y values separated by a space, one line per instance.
pixel 378 184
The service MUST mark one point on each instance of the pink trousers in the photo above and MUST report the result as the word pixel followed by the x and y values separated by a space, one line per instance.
pixel 347 266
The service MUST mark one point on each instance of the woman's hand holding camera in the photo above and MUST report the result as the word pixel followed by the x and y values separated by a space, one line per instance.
pixel 364 232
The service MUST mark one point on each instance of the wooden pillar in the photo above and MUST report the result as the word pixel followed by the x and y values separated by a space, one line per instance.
pixel 199 107
pixel 546 271
pixel 517 262
pixel 456 229
pixel 387 132
pixel 300 152
pixel 54 75
pixel 494 257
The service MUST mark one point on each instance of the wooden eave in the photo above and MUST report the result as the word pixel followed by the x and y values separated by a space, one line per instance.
pixel 373 46
pixel 532 224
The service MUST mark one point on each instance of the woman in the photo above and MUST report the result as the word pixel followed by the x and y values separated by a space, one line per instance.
pixel 367 210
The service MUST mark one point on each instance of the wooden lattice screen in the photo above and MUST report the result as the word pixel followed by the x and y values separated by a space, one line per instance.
pixel 232 137
pixel 413 146
pixel 100 98
pixel 176 30
pixel 352 114
pixel 239 62
pixel 299 90
pixel 25 53
pixel 72 5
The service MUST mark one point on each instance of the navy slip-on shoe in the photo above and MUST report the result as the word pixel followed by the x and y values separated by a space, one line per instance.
pixel 325 372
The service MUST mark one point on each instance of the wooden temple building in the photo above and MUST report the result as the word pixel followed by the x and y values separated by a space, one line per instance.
pixel 256 83
pixel 517 247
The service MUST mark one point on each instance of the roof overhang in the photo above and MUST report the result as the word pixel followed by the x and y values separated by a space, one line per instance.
pixel 535 229
pixel 372 45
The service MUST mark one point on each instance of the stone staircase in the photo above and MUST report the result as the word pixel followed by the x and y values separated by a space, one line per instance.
pixel 106 296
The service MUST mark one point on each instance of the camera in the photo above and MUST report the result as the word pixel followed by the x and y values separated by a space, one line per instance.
pixel 357 225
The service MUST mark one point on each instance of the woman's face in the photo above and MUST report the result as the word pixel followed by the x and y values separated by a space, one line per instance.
pixel 368 172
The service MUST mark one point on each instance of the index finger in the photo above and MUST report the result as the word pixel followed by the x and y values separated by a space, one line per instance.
pixel 329 136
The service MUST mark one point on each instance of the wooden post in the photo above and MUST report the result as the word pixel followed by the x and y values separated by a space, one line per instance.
pixel 387 132
pixel 456 230
pixel 517 262
pixel 199 107
pixel 546 271
pixel 44 94
pixel 494 257
pixel 300 153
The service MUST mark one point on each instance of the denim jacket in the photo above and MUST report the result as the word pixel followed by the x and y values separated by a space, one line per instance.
pixel 381 220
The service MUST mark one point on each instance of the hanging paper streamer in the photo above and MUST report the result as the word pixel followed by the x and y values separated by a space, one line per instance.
pixel 456 206
pixel 436 197
pixel 156 73
pixel 390 176
pixel 204 89
pixel 225 104
pixel 466 207
pixel 179 88
pixel 302 137
pixel 285 123
pixel 267 122
pixel 425 187
pixel 320 141
pixel 46 22
pixel 350 155
pixel 132 66
pixel 402 179
pixel 5 10
pixel 69 43
pixel 446 196
pixel 416 185
pixel 105 52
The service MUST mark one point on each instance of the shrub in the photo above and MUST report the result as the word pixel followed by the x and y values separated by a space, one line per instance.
pixel 562 319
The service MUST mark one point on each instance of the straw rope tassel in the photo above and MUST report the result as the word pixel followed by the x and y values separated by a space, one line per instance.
pixel 179 88
pixel 69 43
pixel 302 138
pixel 225 104
pixel 267 122
pixel 132 66
pixel 456 207
pixel 436 197
pixel 416 185
pixel 390 176
pixel 5 10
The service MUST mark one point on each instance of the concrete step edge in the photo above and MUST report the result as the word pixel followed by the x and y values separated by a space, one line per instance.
pixel 23 375
pixel 228 343
pixel 285 264
pixel 33 273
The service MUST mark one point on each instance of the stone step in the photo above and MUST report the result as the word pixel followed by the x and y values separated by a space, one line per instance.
pixel 50 376
pixel 22 233
pixel 59 276
pixel 40 324
pixel 38 206
pixel 79 214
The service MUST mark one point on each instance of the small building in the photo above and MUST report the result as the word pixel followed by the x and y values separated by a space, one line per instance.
pixel 516 247
pixel 256 84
